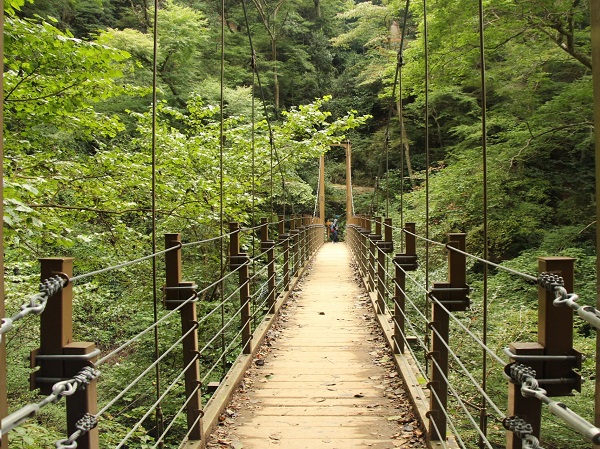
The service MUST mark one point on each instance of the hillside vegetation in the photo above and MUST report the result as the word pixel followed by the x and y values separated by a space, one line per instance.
pixel 299 76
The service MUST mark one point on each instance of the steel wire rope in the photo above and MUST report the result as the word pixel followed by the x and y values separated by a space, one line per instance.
pixel 269 126
pixel 172 385
pixel 253 145
pixel 469 332
pixel 224 327
pixel 146 371
pixel 416 309
pixel 449 419
pixel 126 344
pixel 483 413
pixel 437 429
pixel 525 276
pixel 264 253
pixel 213 239
pixel 263 287
pixel 37 303
pixel 221 168
pixel 257 273
pixel 59 389
pixel 159 415
pixel 176 415
pixel 250 228
pixel 263 304
pixel 223 356
pixel 74 279
pixel 468 374
pixel 184 440
pixel 423 372
pixel 427 155
pixel 390 109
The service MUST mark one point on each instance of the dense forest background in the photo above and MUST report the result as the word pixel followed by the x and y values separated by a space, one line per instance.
pixel 298 77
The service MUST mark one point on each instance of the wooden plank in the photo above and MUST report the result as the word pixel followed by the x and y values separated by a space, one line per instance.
pixel 326 377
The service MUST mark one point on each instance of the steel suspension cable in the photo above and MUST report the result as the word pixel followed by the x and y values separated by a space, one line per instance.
pixel 146 371
pixel 525 276
pixel 221 177
pixel 391 108
pixel 270 128
pixel 483 414
pixel 427 161
pixel 159 415
pixel 177 414
pixel 398 75
pixel 169 388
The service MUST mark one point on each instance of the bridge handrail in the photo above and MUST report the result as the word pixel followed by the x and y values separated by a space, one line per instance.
pixel 276 264
pixel 372 249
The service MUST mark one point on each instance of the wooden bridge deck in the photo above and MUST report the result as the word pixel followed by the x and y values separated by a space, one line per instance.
pixel 325 378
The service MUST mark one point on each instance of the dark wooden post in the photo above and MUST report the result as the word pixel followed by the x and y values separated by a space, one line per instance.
pixel 284 240
pixel 555 332
pixel 56 323
pixel 56 339
pixel 527 408
pixel 384 246
pixel 449 296
pixel 83 401
pixel 303 240
pixel 373 239
pixel 177 291
pixel 241 261
pixel 403 262
pixel 555 338
pixel 364 247
pixel 269 246
pixel 295 235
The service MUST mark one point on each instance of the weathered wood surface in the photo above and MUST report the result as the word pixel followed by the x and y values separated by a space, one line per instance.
pixel 327 380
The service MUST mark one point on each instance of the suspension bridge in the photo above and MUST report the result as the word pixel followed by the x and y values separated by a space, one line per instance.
pixel 323 385
pixel 374 351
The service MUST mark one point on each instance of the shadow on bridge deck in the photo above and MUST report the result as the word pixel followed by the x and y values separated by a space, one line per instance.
pixel 324 378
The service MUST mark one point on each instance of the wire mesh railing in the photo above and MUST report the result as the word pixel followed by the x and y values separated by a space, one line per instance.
pixel 223 321
pixel 434 332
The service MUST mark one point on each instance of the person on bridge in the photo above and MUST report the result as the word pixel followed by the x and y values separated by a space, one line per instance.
pixel 334 229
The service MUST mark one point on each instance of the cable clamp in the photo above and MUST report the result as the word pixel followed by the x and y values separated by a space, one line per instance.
pixel 550 281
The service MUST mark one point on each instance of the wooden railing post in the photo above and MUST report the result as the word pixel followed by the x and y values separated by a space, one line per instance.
pixel 177 291
pixel 384 246
pixel 295 235
pixel 555 338
pixel 284 240
pixel 446 297
pixel 372 248
pixel 365 230
pixel 403 262
pixel 68 357
pixel 240 261
pixel 303 240
pixel 269 246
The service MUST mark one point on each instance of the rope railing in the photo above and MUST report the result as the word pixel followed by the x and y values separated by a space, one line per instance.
pixel 376 266
pixel 178 413
pixel 153 407
pixel 37 303
pixel 59 390
pixel 276 265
